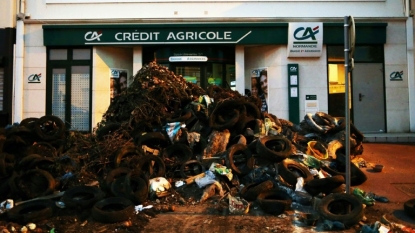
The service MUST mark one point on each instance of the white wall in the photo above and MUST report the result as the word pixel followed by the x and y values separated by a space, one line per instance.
pixel 34 94
pixel 8 10
pixel 283 11
pixel 312 77
pixel 397 97
pixel 105 58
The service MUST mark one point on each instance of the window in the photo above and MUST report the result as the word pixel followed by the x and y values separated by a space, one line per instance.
pixel 69 87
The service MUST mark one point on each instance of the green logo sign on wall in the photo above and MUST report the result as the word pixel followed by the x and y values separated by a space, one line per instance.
pixel 248 33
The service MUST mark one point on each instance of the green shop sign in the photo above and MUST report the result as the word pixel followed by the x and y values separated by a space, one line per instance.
pixel 201 33
pixel 249 33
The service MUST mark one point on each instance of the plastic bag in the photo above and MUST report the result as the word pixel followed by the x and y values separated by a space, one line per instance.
pixel 209 178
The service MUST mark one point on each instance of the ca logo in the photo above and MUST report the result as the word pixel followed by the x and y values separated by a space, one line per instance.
pixel 34 78
pixel 90 36
pixel 308 33
pixel 396 76
pixel 293 69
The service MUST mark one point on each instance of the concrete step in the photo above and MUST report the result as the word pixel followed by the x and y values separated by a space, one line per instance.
pixel 390 137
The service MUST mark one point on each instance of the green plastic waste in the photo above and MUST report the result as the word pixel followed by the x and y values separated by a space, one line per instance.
pixel 367 200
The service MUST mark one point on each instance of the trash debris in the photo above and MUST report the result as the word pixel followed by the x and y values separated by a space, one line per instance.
pixel 367 200
pixel 140 208
pixel 209 178
pixel 238 205
pixel 6 205
pixel 221 170
pixel 211 190
pixel 159 186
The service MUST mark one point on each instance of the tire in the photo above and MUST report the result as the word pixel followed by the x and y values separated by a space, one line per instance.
pixel 313 125
pixel 357 176
pixel 243 150
pixel 409 208
pixel 191 168
pixel 290 170
pixel 32 211
pixel 251 191
pixel 274 148
pixel 322 118
pixel 182 116
pixel 324 185
pixel 225 115
pixel 336 206
pixel 136 187
pixel 36 183
pixel 82 196
pixel 113 209
pixel 114 174
pixel 43 148
pixel 176 154
pixel 124 155
pixel 152 166
pixel 274 201
pixel 106 129
pixel 154 141
pixel 49 128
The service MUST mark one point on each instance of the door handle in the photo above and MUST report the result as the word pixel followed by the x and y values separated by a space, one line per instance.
pixel 360 96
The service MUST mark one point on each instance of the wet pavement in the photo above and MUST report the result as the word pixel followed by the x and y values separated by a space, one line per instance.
pixel 396 182
pixel 397 179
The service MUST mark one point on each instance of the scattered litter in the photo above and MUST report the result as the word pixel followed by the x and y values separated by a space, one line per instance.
pixel 140 208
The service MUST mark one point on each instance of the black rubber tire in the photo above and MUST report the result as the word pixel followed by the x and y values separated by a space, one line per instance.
pixel 290 170
pixel 357 176
pixel 154 140
pixel 114 174
pixel 182 116
pixel 43 148
pixel 33 211
pixel 82 196
pixel 177 154
pixel 308 118
pixel 126 153
pixel 225 115
pixel 106 129
pixel 324 185
pixel 29 123
pixel 36 183
pixel 49 128
pixel 136 187
pixel 274 148
pixel 150 169
pixel 239 149
pixel 323 118
pixel 409 207
pixel 113 209
pixel 191 168
pixel 274 201
pixel 251 191
pixel 336 206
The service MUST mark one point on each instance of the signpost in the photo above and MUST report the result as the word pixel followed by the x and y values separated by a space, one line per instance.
pixel 349 46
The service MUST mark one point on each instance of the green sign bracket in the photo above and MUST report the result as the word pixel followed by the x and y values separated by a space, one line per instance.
pixel 293 94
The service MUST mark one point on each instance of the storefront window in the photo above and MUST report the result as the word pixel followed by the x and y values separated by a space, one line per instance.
pixel 69 87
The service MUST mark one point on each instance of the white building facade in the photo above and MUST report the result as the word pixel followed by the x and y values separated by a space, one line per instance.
pixel 68 50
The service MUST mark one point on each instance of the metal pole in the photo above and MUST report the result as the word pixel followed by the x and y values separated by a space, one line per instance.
pixel 347 110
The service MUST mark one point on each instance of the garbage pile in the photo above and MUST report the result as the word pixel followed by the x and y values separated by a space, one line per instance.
pixel 162 134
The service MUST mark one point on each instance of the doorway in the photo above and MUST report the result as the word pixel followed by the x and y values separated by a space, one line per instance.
pixel 368 97
pixel 206 74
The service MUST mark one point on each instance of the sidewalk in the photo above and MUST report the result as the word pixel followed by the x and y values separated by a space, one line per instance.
pixel 396 182
pixel 397 179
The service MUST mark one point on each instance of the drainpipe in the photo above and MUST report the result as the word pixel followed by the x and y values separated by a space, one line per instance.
pixel 410 61
pixel 18 79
